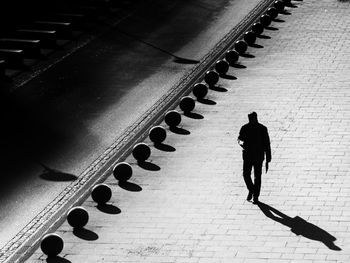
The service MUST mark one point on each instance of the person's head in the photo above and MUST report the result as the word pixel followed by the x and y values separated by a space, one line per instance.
pixel 253 117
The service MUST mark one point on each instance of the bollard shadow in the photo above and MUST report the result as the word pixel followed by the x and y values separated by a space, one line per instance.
pixel 263 36
pixel 148 166
pixel 164 147
pixel 185 60
pixel 56 176
pixel 193 115
pixel 179 130
pixel 299 226
pixel 85 234
pixel 130 186
pixel 247 55
pixel 256 46
pixel 237 65
pixel 271 28
pixel 278 20
pixel 226 76
pixel 206 101
pixel 57 259
pixel 287 13
pixel 218 88
pixel 108 209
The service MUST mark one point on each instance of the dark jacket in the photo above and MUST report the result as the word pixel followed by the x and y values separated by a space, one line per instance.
pixel 256 142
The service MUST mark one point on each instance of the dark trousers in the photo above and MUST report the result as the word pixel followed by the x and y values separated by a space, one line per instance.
pixel 247 170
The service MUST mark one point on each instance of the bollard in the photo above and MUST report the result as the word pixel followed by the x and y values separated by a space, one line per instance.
pixel 187 104
pixel 241 46
pixel 200 90
pixel 122 171
pixel 249 37
pixel 141 152
pixel 157 134
pixel 287 2
pixel 279 5
pixel 258 28
pixel 265 20
pixel 211 77
pixel 51 244
pixel 172 118
pixel 221 67
pixel 232 57
pixel 272 12
pixel 101 193
pixel 77 217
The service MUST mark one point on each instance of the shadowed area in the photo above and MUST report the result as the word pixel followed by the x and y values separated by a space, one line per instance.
pixel 176 59
pixel 227 76
pixel 247 55
pixel 299 226
pixel 85 234
pixel 218 88
pixel 57 259
pixel 148 166
pixel 263 36
pixel 132 187
pixel 71 112
pixel 108 209
pixel 57 176
pixel 206 101
pixel 185 60
pixel 193 115
pixel 256 46
pixel 271 28
pixel 237 65
pixel 30 133
pixel 164 147
pixel 278 20
pixel 179 130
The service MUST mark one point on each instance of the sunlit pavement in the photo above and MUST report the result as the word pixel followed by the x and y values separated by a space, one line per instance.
pixel 188 204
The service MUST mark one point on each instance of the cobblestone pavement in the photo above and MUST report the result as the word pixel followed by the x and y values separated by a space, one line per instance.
pixel 192 208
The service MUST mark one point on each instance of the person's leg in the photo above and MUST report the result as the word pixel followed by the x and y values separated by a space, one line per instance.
pixel 247 170
pixel 257 179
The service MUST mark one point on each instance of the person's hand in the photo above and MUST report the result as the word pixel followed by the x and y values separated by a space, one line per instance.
pixel 241 143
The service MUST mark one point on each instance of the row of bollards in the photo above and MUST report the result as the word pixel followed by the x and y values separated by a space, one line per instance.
pixel 78 217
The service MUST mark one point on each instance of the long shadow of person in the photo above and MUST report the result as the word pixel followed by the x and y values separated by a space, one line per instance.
pixel 299 226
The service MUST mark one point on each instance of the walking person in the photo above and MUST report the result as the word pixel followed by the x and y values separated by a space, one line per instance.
pixel 254 139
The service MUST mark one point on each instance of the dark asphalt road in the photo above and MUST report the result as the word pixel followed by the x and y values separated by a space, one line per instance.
pixel 69 115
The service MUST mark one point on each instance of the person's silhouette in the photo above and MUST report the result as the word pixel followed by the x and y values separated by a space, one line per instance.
pixel 300 226
pixel 254 139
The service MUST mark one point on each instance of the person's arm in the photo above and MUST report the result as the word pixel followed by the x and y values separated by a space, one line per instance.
pixel 241 138
pixel 267 146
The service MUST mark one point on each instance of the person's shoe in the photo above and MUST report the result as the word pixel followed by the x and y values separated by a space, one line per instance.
pixel 250 196
pixel 256 201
